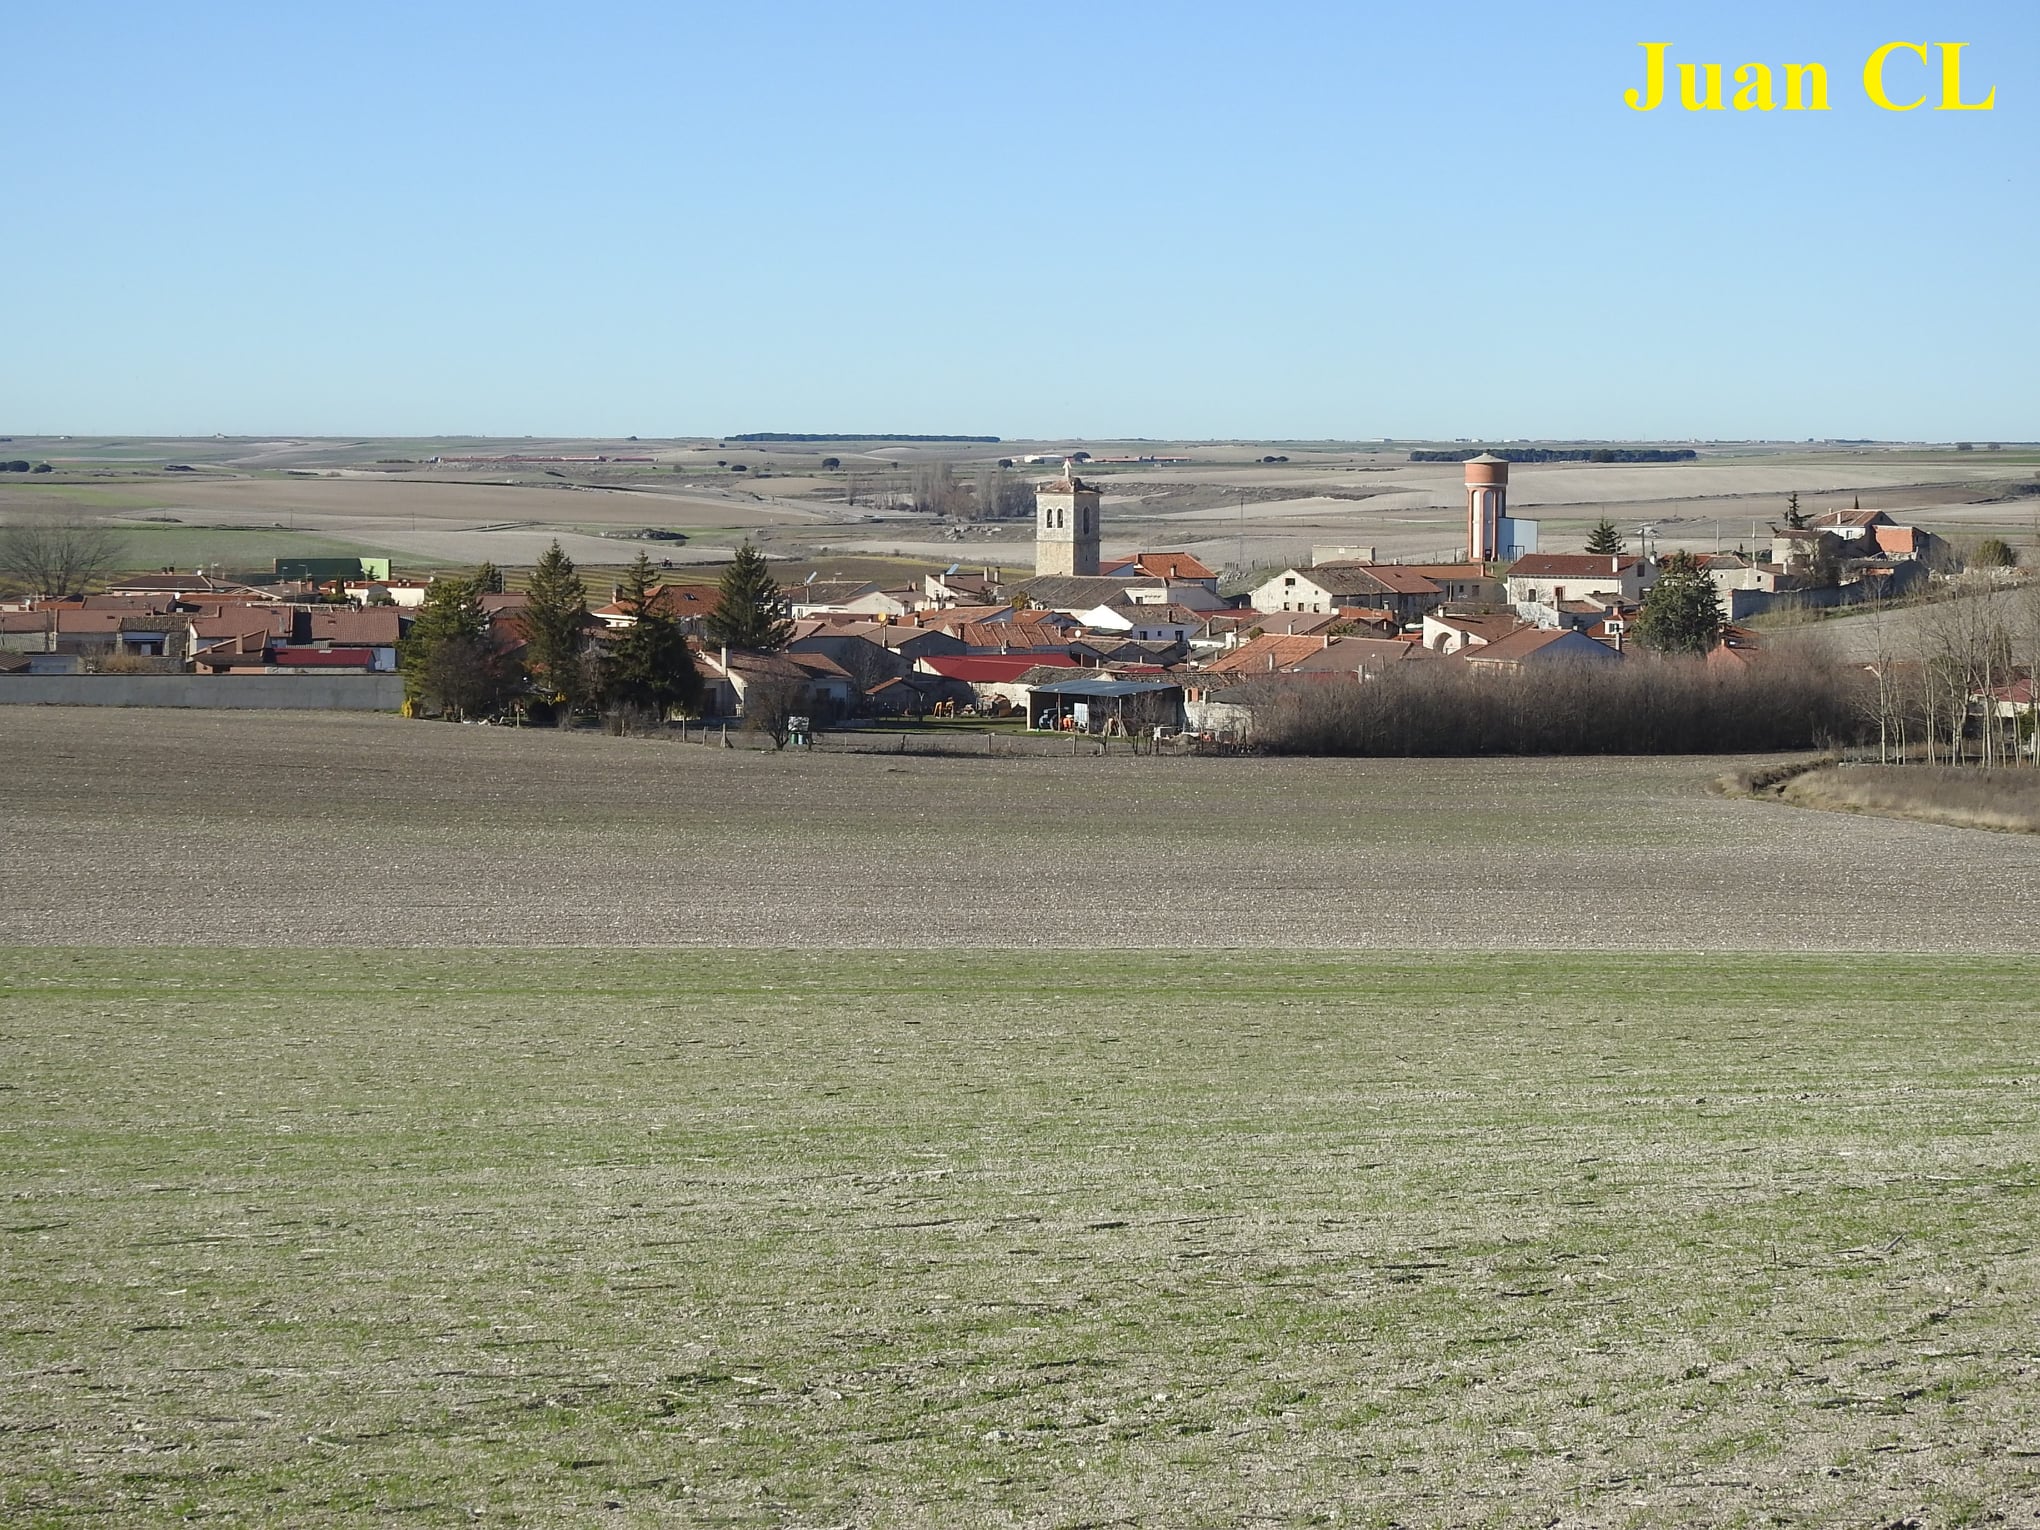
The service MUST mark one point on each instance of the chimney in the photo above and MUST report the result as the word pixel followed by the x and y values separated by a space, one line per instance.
pixel 726 658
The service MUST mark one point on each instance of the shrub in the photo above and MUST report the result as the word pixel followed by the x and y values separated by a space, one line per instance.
pixel 1644 705
pixel 1994 552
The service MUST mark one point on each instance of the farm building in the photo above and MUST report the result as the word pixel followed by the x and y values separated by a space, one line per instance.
pixel 1115 707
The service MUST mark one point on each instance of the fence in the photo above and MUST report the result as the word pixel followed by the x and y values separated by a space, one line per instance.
pixel 959 744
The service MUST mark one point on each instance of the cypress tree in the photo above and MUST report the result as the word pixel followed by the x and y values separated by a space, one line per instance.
pixel 1604 538
pixel 1681 613
pixel 649 667
pixel 750 611
pixel 556 632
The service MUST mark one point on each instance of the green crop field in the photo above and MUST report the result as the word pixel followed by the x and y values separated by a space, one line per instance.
pixel 1062 1238
pixel 234 547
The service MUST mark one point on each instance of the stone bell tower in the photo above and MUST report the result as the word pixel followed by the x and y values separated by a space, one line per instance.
pixel 1066 525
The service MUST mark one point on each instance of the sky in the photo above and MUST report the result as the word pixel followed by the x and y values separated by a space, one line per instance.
pixel 1104 220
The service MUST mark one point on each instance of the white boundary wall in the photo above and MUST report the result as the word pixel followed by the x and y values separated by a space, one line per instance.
pixel 305 693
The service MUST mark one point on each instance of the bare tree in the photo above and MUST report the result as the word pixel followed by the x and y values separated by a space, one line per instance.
pixel 998 494
pixel 771 702
pixel 55 556
pixel 936 491
pixel 868 665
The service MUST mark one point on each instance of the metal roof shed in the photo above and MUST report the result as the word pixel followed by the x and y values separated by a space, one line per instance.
pixel 1104 706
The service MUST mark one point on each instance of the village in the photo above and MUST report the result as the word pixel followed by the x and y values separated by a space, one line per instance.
pixel 1144 645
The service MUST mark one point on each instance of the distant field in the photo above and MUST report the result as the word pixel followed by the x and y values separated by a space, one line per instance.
pixel 389 495
pixel 422 524
pixel 1058 1238
pixel 188 547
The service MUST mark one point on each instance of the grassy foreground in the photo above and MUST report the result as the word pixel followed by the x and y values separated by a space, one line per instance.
pixel 833 1238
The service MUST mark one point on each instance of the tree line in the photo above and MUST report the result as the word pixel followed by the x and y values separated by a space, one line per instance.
pixel 1561 454
pixel 761 436
pixel 1932 662
pixel 458 664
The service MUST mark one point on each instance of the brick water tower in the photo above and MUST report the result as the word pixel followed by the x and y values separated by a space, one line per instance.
pixel 1066 525
pixel 1487 506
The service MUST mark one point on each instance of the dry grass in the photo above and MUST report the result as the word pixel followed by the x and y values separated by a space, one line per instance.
pixel 2006 800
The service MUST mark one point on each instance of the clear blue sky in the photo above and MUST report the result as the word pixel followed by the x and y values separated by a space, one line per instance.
pixel 1172 220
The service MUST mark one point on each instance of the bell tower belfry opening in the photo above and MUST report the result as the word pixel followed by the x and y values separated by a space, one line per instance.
pixel 1066 525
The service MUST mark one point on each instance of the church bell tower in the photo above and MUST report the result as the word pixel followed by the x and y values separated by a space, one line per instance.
pixel 1066 525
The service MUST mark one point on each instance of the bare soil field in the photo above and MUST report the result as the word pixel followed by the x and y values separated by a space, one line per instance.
pixel 161 828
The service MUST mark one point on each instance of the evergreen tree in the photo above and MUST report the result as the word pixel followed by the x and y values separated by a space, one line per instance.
pixel 1994 552
pixel 488 580
pixel 1604 538
pixel 450 659
pixel 1681 613
pixel 649 667
pixel 750 611
pixel 1794 516
pixel 556 632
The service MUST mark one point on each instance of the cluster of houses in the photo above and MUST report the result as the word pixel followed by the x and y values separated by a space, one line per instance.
pixel 173 623
pixel 1131 644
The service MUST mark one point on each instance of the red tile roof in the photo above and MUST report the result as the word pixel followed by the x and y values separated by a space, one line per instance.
pixel 1269 653
pixel 377 626
pixel 679 600
pixel 1528 643
pixel 258 622
pixel 1896 541
pixel 986 668
pixel 1171 565
pixel 1393 577
pixel 1571 566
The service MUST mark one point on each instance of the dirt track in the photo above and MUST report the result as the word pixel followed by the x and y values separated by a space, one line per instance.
pixel 152 827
